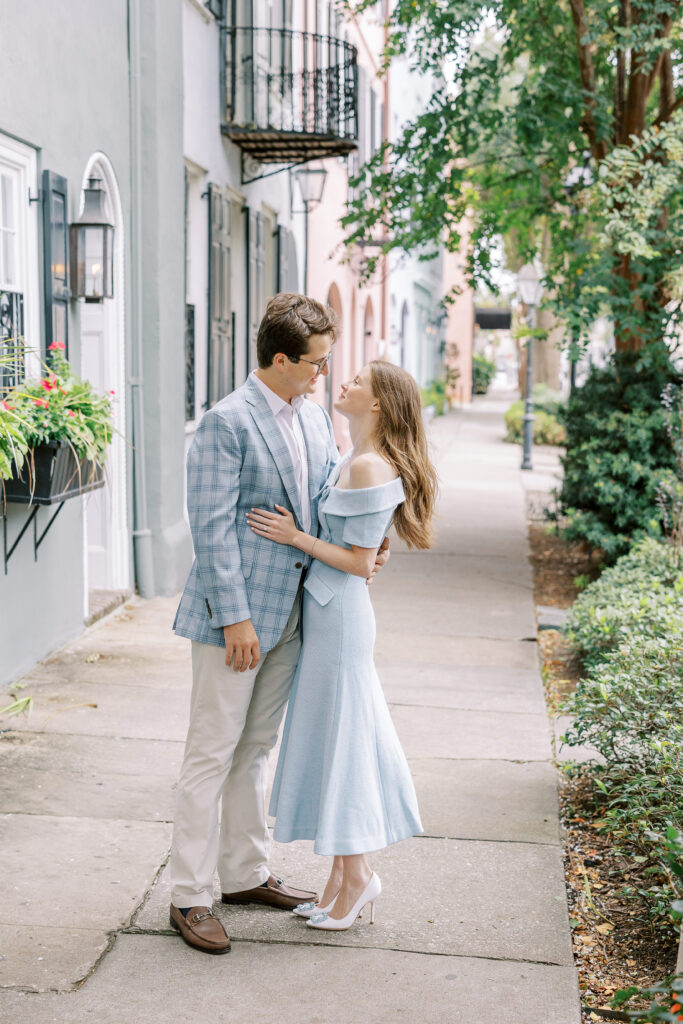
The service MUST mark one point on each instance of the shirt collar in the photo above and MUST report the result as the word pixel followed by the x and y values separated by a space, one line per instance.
pixel 277 404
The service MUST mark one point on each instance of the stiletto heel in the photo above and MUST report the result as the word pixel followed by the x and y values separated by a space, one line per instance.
pixel 323 921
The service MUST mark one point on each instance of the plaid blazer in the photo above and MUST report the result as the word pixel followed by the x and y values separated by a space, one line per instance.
pixel 239 460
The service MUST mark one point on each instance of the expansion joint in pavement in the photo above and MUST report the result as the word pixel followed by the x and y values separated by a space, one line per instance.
pixel 168 932
pixel 449 707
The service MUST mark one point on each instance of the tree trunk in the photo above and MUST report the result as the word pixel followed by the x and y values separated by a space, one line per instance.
pixel 624 338
pixel 547 355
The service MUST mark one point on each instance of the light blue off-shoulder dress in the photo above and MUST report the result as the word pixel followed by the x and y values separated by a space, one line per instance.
pixel 342 779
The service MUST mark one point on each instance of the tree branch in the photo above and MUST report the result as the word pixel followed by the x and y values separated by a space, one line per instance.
pixel 620 98
pixel 641 82
pixel 587 72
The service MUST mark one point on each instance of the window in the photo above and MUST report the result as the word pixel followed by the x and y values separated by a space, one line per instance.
pixel 19 283
pixel 221 369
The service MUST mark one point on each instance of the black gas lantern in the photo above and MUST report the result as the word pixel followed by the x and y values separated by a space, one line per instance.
pixel 92 248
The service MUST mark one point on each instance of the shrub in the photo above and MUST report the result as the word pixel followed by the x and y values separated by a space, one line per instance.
pixel 547 399
pixel 435 394
pixel 630 709
pixel 547 429
pixel 628 627
pixel 483 372
pixel 616 450
pixel 641 595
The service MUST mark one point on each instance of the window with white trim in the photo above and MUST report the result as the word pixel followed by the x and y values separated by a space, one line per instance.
pixel 19 281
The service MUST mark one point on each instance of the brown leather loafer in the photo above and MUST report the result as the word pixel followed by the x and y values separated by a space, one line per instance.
pixel 275 893
pixel 200 929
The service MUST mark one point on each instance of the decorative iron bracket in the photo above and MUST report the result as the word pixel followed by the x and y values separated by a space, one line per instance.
pixel 37 540
pixel 249 167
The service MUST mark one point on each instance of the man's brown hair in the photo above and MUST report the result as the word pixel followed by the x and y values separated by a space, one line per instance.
pixel 288 323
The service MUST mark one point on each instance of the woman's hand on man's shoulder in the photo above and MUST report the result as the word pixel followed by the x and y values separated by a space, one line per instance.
pixel 370 470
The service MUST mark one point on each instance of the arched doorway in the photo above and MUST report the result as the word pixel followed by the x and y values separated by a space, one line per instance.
pixel 335 375
pixel 368 331
pixel 102 336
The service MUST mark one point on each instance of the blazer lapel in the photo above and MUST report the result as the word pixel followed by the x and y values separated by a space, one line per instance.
pixel 315 454
pixel 272 435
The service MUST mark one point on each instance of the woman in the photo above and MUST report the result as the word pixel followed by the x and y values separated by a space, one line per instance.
pixel 342 778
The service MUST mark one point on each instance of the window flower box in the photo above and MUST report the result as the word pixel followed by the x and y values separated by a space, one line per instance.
pixel 51 473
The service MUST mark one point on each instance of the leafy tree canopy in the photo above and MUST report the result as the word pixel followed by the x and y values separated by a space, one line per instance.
pixel 558 120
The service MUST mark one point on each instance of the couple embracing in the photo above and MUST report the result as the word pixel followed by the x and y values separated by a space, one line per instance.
pixel 286 539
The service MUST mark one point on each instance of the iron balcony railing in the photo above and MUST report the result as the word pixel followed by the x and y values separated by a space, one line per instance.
pixel 290 95
pixel 11 339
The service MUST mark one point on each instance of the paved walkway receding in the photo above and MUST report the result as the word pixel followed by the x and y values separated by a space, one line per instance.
pixel 472 924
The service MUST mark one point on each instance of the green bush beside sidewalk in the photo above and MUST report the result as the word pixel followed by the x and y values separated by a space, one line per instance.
pixel 627 627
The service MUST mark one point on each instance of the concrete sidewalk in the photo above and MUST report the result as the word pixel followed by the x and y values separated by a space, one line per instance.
pixel 472 925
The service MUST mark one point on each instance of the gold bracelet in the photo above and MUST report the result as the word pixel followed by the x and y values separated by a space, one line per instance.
pixel 313 547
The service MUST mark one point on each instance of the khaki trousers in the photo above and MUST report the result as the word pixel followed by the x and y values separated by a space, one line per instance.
pixel 220 818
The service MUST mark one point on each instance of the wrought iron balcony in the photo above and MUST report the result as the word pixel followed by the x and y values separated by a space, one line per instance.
pixel 290 96
pixel 11 339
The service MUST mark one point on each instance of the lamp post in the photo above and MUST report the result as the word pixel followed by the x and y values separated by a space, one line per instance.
pixel 530 288
pixel 579 177
pixel 311 185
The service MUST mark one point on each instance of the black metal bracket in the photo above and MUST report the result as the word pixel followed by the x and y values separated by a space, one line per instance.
pixel 37 540
pixel 244 175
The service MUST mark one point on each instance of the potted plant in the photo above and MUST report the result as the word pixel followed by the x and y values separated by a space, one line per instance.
pixel 54 434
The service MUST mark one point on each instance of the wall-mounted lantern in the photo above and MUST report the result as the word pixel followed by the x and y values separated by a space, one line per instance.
pixel 92 248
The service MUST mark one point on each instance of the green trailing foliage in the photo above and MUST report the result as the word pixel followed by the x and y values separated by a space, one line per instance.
pixel 59 406
pixel 617 451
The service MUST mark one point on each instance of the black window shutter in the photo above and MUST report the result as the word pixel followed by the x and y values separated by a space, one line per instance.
pixel 216 7
pixel 256 256
pixel 288 275
pixel 56 258
pixel 220 362
pixel 282 259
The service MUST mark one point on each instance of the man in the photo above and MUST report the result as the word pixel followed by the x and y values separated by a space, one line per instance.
pixel 262 445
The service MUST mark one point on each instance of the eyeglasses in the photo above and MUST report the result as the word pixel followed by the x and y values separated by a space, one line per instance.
pixel 320 364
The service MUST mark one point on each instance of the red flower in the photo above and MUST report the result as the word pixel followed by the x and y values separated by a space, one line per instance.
pixel 112 392
pixel 5 406
pixel 56 345
pixel 48 385
pixel 71 412
pixel 42 402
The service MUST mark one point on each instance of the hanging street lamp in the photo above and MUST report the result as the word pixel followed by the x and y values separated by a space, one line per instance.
pixel 92 248
pixel 311 185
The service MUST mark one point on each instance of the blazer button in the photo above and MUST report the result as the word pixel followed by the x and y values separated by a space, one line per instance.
pixel 298 565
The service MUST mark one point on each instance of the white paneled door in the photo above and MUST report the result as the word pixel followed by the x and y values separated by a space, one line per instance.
pixel 96 367
pixel 102 350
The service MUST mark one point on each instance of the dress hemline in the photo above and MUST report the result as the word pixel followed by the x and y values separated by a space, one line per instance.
pixel 343 847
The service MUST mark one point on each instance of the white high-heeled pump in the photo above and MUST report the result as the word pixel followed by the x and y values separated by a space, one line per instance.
pixel 323 921
pixel 306 909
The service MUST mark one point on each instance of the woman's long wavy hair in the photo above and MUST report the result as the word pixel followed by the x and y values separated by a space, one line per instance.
pixel 402 440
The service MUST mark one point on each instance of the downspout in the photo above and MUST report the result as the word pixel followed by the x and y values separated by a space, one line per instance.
pixel 385 138
pixel 142 535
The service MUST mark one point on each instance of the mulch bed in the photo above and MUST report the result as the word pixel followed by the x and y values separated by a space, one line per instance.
pixel 614 945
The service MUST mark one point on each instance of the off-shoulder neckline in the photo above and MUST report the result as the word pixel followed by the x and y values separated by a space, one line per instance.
pixel 356 490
